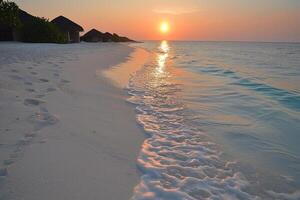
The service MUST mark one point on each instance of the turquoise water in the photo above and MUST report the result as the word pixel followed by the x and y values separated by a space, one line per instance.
pixel 223 120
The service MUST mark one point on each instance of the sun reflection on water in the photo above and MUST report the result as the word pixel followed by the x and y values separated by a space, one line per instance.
pixel 162 59
pixel 164 46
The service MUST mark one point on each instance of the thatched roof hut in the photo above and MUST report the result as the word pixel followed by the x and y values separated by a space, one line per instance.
pixel 93 36
pixel 96 36
pixel 70 28
pixel 25 17
pixel 107 37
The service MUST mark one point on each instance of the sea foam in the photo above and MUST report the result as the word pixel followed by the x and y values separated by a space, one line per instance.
pixel 179 160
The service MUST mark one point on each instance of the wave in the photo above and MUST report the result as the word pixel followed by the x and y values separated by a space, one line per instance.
pixel 287 98
pixel 178 161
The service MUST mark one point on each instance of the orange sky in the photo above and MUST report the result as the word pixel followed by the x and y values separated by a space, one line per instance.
pixel 250 20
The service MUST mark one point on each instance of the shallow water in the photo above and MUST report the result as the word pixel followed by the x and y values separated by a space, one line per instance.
pixel 223 120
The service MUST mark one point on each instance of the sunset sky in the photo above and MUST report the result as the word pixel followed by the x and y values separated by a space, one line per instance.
pixel 242 20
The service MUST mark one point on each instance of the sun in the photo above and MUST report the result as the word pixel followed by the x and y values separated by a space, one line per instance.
pixel 164 27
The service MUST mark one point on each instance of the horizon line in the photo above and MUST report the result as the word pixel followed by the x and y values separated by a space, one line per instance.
pixel 245 41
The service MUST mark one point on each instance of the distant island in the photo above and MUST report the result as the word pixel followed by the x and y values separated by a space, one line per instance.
pixel 18 25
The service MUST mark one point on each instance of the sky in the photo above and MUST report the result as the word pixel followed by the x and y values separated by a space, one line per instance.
pixel 205 20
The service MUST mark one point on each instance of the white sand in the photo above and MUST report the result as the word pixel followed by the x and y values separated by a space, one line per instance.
pixel 65 133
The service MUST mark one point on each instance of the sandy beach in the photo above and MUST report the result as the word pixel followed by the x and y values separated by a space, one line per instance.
pixel 149 100
pixel 66 131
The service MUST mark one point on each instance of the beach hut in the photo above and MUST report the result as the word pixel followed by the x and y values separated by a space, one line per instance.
pixel 68 27
pixel 107 37
pixel 93 36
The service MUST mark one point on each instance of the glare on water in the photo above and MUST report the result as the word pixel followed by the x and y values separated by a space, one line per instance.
pixel 162 58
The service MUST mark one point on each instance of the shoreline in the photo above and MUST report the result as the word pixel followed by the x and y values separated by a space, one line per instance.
pixel 119 75
pixel 76 136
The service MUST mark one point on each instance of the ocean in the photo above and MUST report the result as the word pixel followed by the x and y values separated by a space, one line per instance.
pixel 222 120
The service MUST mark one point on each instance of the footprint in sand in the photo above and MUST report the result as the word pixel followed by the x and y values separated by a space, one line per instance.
pixel 42 119
pixel 14 71
pixel 40 96
pixel 28 83
pixel 33 102
pixel 65 81
pixel 56 74
pixel 44 80
pixel 30 90
pixel 31 67
pixel 30 135
pixel 51 89
pixel 34 73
